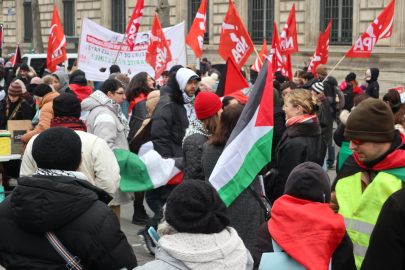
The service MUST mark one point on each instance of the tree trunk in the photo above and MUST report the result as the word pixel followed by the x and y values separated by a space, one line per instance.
pixel 36 26
pixel 163 10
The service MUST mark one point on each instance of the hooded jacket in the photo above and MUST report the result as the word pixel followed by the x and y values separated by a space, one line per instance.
pixel 373 88
pixel 80 88
pixel 103 120
pixel 75 211
pixel 304 226
pixel 219 251
pixel 325 119
pixel 63 82
pixel 45 116
pixel 169 120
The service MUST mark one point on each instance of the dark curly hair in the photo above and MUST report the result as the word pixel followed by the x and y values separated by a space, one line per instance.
pixel 137 85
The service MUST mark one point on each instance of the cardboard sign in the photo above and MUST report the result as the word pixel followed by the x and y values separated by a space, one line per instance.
pixel 18 128
pixel 400 89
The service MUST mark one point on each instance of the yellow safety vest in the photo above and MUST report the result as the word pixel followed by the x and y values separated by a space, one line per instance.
pixel 361 210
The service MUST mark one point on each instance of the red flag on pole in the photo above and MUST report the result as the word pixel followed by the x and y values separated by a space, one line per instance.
pixel 288 39
pixel 158 55
pixel 235 41
pixel 316 57
pixel 231 80
pixel 263 55
pixel 325 45
pixel 134 23
pixel 195 38
pixel 275 54
pixel 288 67
pixel 379 29
pixel 56 43
pixel 17 56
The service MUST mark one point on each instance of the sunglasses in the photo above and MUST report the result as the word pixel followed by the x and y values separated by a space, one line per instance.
pixel 357 142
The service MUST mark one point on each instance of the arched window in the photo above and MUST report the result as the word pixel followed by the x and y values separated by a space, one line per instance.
pixel 193 6
pixel 341 11
pixel 261 17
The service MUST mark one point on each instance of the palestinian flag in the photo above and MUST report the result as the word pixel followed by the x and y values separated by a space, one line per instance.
pixel 146 171
pixel 249 147
pixel 32 49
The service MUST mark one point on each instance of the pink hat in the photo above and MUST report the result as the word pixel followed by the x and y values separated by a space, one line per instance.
pixel 36 80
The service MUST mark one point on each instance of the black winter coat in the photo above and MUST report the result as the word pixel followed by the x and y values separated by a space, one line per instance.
pixel 387 242
pixel 169 121
pixel 192 152
pixel 138 115
pixel 373 88
pixel 342 258
pixel 300 143
pixel 309 83
pixel 23 113
pixel 329 86
pixel 326 121
pixel 349 98
pixel 73 210
pixel 278 131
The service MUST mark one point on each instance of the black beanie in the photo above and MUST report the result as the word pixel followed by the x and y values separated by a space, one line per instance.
pixel 58 148
pixel 279 77
pixel 350 77
pixel 66 104
pixel 42 89
pixel 371 121
pixel 194 206
pixel 175 69
pixel 114 69
pixel 24 66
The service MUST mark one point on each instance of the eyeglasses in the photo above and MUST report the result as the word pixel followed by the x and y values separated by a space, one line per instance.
pixel 119 93
pixel 357 142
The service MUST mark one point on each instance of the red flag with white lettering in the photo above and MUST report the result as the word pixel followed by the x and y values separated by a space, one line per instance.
pixel 288 39
pixel 134 23
pixel 235 41
pixel 316 57
pixel 195 38
pixel 263 55
pixel 325 45
pixel 275 54
pixel 158 55
pixel 56 43
pixel 379 29
pixel 288 67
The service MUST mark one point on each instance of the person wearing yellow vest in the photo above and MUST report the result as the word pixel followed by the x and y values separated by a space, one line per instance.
pixel 371 174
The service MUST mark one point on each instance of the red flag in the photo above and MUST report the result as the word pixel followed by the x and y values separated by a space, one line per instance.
pixel 263 55
pixel 379 29
pixel 158 55
pixel 316 57
pixel 288 39
pixel 235 41
pixel 17 56
pixel 134 23
pixel 325 45
pixel 195 38
pixel 231 79
pixel 275 57
pixel 1 36
pixel 288 67
pixel 56 43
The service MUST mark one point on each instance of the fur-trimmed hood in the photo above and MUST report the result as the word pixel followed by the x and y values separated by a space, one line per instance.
pixel 344 115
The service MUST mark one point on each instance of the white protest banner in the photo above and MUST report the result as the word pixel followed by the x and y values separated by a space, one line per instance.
pixel 99 47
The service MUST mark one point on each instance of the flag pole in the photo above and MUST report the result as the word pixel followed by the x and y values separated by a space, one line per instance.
pixel 180 53
pixel 120 48
pixel 334 68
pixel 258 56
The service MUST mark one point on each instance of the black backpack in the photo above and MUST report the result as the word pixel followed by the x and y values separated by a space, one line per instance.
pixel 348 94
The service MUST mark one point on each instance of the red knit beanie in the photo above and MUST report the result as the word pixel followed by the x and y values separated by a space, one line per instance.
pixel 206 105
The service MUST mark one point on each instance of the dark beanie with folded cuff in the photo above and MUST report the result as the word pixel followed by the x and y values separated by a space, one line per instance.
pixel 42 89
pixel 66 104
pixel 371 121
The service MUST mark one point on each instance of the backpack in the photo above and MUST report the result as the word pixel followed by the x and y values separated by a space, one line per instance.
pixel 348 94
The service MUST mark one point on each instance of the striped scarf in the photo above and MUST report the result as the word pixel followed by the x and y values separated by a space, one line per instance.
pixel 306 118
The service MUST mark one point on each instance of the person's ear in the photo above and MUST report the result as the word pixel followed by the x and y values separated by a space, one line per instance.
pixel 109 94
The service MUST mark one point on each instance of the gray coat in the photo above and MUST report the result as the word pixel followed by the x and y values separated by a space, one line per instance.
pixel 245 211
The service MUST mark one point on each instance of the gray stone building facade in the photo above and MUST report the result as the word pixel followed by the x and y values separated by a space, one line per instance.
pixel 350 19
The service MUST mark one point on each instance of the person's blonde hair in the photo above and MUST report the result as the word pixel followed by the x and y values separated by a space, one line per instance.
pixel 165 228
pixel 303 98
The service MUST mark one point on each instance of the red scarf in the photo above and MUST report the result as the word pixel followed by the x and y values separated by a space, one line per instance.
pixel 392 161
pixel 308 231
pixel 69 122
pixel 142 96
pixel 306 118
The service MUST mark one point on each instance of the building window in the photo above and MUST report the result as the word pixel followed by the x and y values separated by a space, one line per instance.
pixel 28 30
pixel 193 6
pixel 118 16
pixel 261 17
pixel 341 12
pixel 69 17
